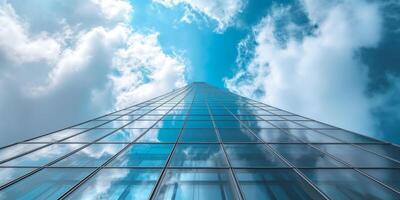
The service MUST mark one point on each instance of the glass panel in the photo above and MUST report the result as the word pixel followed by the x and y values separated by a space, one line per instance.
pixel 344 184
pixel 198 155
pixel 197 184
pixel 386 149
pixel 356 156
pixel 271 117
pixel 347 136
pixel 169 124
pixel 236 135
pixel 9 174
pixel 274 184
pixel 90 124
pixel 17 149
pixel 302 155
pixel 198 135
pixel 313 124
pixel 90 135
pixel 258 124
pixel 229 124
pixel 390 177
pixel 224 117
pixel 123 135
pixel 307 135
pixel 43 156
pixel 92 156
pixel 160 135
pixel 174 117
pixel 144 155
pixel 199 117
pixel 118 184
pixel 140 124
pixel 58 135
pixel 285 124
pixel 274 135
pixel 252 155
pixel 49 183
pixel 199 124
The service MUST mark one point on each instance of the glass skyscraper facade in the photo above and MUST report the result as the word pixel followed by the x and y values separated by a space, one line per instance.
pixel 200 142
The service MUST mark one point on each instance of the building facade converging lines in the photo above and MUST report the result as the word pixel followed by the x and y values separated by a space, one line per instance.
pixel 200 142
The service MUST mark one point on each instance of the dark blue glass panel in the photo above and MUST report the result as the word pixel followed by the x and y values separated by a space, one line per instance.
pixel 198 135
pixel 197 184
pixel 274 184
pixel 160 135
pixel 199 124
pixel 384 149
pixel 252 155
pixel 343 184
pixel 390 177
pixel 144 155
pixel 198 155
pixel 229 124
pixel 48 183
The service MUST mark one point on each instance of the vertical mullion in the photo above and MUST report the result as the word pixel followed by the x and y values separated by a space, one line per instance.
pixel 156 188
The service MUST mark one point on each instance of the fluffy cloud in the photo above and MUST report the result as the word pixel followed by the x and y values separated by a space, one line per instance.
pixel 71 70
pixel 221 11
pixel 313 69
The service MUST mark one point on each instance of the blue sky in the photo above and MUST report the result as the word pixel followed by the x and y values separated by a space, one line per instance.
pixel 335 61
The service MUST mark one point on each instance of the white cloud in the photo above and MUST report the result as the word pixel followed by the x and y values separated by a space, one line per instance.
pixel 72 70
pixel 221 11
pixel 317 75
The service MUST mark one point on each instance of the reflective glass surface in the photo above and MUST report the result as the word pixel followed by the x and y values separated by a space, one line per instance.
pixel 307 135
pixel 347 136
pixel 90 136
pixel 198 135
pixel 123 135
pixel 236 135
pixel 118 184
pixel 17 149
pixel 143 155
pixel 274 184
pixel 345 184
pixel 274 135
pixel 48 183
pixel 252 155
pixel 197 184
pixel 198 155
pixel 160 135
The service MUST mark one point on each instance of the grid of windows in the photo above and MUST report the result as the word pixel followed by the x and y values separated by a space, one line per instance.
pixel 200 142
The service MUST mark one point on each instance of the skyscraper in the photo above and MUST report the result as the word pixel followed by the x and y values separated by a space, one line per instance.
pixel 200 142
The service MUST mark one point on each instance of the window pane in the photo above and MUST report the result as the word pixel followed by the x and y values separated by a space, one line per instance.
pixel 197 184
pixel 199 124
pixel 9 174
pixel 144 155
pixel 160 135
pixel 347 136
pixel 169 124
pixel 274 135
pixel 92 156
pixel 258 124
pixel 390 177
pixel 118 184
pixel 302 155
pixel 229 124
pixel 344 184
pixel 90 124
pixel 57 135
pixel 198 155
pixel 43 156
pixel 198 135
pixel 199 117
pixel 356 156
pixel 17 149
pixel 123 135
pixel 252 155
pixel 313 124
pixel 307 135
pixel 385 149
pixel 236 135
pixel 274 184
pixel 49 183
pixel 285 124
pixel 90 135
pixel 140 124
